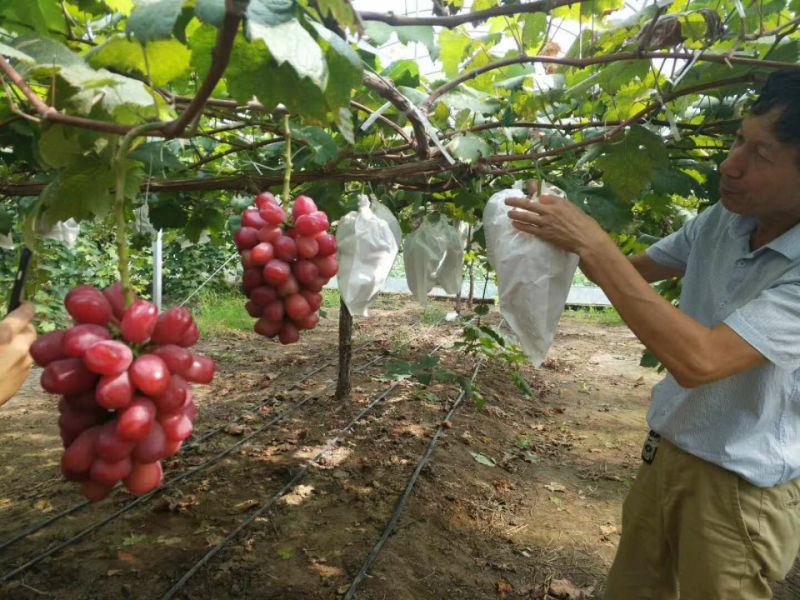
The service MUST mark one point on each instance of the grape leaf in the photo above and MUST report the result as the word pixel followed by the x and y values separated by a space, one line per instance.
pixel 341 11
pixel 422 34
pixel 15 54
pixel 320 142
pixel 627 165
pixel 252 72
pixel 470 99
pixel 598 202
pixel 614 76
pixel 156 157
pixel 121 6
pixel 289 42
pixel 121 97
pixel 403 72
pixel 168 212
pixel 534 26
pixel 166 59
pixel 57 148
pixel 344 66
pixel 378 32
pixel 271 12
pixel 153 19
pixel 202 42
pixel 80 191
pixel 452 47
pixel 43 16
pixel 468 148
pixel 344 123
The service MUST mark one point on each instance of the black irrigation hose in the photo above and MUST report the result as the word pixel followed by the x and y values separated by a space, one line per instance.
pixel 135 502
pixel 194 443
pixel 401 502
pixel 253 516
pixel 42 524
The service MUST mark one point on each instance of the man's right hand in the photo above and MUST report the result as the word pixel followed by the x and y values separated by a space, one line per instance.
pixel 16 336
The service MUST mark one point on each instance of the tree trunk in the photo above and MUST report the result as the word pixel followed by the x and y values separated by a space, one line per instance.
pixel 345 352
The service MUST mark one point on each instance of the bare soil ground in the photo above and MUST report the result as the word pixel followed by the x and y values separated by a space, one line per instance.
pixel 521 499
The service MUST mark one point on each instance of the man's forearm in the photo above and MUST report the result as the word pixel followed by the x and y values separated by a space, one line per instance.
pixel 676 339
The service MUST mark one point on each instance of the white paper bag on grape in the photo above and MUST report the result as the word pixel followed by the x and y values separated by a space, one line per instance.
pixel 533 276
pixel 66 232
pixel 367 248
pixel 450 275
pixel 382 212
pixel 433 255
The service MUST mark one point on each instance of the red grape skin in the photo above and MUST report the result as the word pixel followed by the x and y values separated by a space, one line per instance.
pixel 139 321
pixel 144 477
pixel 114 391
pixel 173 397
pixel 87 304
pixel 79 338
pixel 47 348
pixel 68 376
pixel 149 373
pixel 109 473
pixel 108 357
pixel 201 371
pixel 152 447
pixel 135 422
pixel 303 205
pixel 171 325
pixel 176 357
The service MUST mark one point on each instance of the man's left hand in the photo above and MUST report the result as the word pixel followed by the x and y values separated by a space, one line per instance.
pixel 558 221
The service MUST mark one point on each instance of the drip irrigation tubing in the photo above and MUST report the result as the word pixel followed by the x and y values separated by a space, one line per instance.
pixel 267 505
pixel 401 502
pixel 139 500
pixel 180 584
pixel 193 444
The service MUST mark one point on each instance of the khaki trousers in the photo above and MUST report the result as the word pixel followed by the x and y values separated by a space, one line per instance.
pixel 695 531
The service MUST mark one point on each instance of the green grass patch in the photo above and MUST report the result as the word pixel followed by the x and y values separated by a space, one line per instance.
pixel 331 298
pixel 220 313
pixel 432 314
pixel 596 315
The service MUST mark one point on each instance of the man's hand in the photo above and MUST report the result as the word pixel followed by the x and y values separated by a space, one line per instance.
pixel 16 336
pixel 557 221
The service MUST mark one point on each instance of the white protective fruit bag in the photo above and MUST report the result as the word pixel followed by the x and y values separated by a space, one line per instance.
pixel 533 276
pixel 66 232
pixel 433 255
pixel 366 249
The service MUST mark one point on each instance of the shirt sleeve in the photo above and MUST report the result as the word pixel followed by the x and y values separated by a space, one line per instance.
pixel 770 323
pixel 673 251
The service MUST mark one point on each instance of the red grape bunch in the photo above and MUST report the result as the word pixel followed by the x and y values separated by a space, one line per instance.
pixel 285 266
pixel 124 378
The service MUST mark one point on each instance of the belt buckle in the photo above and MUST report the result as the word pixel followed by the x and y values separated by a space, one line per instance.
pixel 650 447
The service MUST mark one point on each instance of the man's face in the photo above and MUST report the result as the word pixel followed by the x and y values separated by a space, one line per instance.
pixel 761 176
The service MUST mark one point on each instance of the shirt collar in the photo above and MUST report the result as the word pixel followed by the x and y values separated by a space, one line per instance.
pixel 788 244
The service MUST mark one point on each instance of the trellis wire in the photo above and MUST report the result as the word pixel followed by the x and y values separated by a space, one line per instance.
pixel 202 285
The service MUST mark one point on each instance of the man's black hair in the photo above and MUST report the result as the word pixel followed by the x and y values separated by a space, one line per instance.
pixel 782 91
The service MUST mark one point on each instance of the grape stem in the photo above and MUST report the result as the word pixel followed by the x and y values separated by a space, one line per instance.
pixel 287 176
pixel 121 170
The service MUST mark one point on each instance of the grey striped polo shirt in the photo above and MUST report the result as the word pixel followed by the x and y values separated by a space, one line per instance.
pixel 748 423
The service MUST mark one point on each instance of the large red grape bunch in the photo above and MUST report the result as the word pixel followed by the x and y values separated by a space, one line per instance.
pixel 124 378
pixel 285 264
